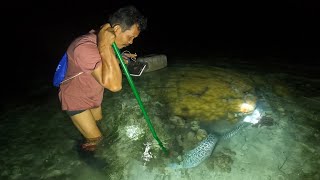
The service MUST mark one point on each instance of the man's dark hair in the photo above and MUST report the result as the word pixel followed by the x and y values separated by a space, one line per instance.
pixel 128 16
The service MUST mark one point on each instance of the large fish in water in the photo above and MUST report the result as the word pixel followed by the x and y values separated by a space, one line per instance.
pixel 205 148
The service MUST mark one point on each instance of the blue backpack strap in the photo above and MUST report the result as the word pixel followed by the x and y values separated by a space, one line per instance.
pixel 61 70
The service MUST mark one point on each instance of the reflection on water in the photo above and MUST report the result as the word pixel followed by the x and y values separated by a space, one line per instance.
pixel 184 103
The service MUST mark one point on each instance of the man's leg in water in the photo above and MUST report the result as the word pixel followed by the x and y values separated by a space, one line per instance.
pixel 86 124
pixel 97 113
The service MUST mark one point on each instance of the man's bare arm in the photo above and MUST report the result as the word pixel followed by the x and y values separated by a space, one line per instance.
pixel 109 73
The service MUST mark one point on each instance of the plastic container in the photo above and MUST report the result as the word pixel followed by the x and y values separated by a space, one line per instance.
pixel 154 62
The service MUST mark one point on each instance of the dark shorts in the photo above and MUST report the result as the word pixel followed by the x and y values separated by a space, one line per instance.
pixel 72 113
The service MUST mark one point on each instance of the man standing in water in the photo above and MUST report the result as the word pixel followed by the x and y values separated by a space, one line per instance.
pixel 92 55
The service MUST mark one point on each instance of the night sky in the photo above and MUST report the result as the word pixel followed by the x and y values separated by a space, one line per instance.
pixel 247 29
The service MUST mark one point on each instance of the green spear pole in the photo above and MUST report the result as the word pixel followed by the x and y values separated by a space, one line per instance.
pixel 135 92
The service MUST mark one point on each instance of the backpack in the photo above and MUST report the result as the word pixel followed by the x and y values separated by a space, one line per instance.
pixel 61 71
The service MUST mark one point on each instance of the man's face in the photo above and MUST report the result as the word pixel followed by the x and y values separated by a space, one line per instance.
pixel 126 38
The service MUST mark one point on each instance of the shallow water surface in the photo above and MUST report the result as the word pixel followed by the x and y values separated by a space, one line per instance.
pixel 184 104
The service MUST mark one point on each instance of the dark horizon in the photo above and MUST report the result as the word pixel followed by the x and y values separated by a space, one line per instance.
pixel 286 29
